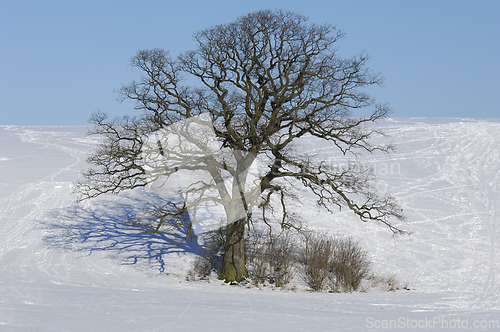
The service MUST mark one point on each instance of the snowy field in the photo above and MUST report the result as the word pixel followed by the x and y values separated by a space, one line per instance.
pixel 78 267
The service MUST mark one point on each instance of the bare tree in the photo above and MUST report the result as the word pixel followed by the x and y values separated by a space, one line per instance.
pixel 263 81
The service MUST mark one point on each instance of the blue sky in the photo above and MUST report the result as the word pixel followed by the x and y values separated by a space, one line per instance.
pixel 60 61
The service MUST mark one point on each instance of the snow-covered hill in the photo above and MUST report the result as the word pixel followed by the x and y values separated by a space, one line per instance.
pixel 78 267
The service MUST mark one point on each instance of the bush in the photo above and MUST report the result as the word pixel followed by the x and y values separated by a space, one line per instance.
pixel 350 264
pixel 335 263
pixel 256 254
pixel 316 256
pixel 341 261
pixel 270 257
pixel 280 254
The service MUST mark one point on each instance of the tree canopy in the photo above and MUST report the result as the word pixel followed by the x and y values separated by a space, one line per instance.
pixel 257 85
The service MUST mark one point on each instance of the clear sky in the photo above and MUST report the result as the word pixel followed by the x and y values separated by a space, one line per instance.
pixel 60 61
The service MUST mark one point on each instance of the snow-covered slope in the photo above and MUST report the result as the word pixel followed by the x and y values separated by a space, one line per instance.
pixel 78 267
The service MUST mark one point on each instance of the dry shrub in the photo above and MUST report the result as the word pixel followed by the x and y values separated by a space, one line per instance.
pixel 256 254
pixel 316 256
pixel 336 263
pixel 350 264
pixel 270 257
pixel 280 255
pixel 341 261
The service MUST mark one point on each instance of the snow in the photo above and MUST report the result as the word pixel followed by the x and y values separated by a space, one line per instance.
pixel 79 267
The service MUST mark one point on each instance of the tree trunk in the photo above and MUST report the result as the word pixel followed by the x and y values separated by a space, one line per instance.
pixel 234 268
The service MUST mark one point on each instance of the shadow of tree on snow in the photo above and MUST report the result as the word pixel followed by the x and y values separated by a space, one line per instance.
pixel 106 224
